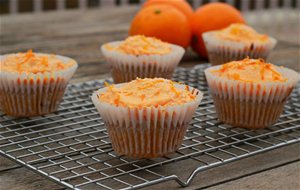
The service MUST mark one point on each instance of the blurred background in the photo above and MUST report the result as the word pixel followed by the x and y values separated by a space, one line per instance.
pixel 77 28
pixel 23 6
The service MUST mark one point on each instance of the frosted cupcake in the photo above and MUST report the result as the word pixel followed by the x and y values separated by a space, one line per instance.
pixel 143 57
pixel 33 83
pixel 235 43
pixel 250 93
pixel 146 118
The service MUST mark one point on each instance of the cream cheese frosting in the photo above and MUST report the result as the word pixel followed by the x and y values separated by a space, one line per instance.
pixel 141 45
pixel 31 62
pixel 240 33
pixel 146 93
pixel 250 70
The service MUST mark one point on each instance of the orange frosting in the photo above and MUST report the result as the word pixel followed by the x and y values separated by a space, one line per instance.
pixel 30 62
pixel 146 93
pixel 241 32
pixel 141 45
pixel 250 70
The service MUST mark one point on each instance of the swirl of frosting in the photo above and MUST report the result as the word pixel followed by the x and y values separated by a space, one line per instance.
pixel 240 32
pixel 141 45
pixel 146 93
pixel 250 70
pixel 30 62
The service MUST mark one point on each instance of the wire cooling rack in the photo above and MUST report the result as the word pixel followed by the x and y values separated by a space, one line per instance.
pixel 71 146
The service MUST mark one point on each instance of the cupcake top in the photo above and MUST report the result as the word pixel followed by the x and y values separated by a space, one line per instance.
pixel 250 70
pixel 30 62
pixel 146 93
pixel 240 33
pixel 141 45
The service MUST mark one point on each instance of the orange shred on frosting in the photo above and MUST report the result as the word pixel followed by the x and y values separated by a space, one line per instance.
pixel 241 33
pixel 141 45
pixel 31 62
pixel 146 93
pixel 250 70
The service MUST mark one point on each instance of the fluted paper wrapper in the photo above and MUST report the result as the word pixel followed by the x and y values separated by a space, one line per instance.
pixel 223 51
pixel 146 132
pixel 250 105
pixel 24 95
pixel 126 67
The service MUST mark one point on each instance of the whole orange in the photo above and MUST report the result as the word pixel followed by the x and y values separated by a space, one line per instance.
pixel 212 16
pixel 181 5
pixel 163 22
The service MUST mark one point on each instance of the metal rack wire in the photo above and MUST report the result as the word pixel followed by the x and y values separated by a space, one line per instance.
pixel 71 146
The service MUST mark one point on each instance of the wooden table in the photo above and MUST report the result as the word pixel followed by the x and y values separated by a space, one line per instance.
pixel 78 34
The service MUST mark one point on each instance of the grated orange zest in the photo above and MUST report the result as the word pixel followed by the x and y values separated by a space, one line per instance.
pixel 241 33
pixel 250 70
pixel 146 92
pixel 141 45
pixel 30 62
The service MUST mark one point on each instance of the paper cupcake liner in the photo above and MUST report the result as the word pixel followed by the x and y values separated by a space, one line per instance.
pixel 146 132
pixel 250 105
pixel 245 114
pixel 221 51
pixel 24 95
pixel 127 67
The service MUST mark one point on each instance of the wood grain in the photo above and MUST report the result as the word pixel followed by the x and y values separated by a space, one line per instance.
pixel 280 178
pixel 231 171
pixel 79 34
pixel 22 178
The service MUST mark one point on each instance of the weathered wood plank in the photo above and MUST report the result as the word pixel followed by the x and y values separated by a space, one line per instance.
pixel 17 179
pixel 236 169
pixel 78 34
pixel 22 178
pixel 286 177
pixel 81 38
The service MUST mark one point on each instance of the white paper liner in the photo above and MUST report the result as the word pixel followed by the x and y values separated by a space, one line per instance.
pixel 252 115
pixel 250 105
pixel 149 131
pixel 126 67
pixel 260 92
pixel 222 51
pixel 33 94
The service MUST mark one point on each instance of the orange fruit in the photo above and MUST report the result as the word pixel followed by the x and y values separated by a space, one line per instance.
pixel 181 5
pixel 163 22
pixel 212 16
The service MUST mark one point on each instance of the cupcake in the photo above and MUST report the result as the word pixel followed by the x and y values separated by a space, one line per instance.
pixel 250 93
pixel 146 118
pixel 33 83
pixel 143 57
pixel 235 43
